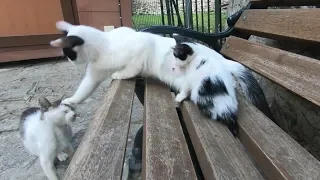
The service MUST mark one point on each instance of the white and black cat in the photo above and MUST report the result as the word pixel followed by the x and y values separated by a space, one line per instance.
pixel 122 53
pixel 130 53
pixel 46 132
pixel 208 83
pixel 245 78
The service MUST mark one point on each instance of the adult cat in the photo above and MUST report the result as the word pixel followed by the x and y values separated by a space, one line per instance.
pixel 209 85
pixel 130 53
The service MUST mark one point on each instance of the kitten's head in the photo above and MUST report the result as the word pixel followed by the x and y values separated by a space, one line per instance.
pixel 59 113
pixel 183 53
pixel 80 43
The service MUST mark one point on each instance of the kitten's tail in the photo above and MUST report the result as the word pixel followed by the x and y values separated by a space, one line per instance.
pixel 250 87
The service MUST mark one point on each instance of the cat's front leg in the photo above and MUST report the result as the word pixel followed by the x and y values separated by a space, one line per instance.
pixel 183 94
pixel 62 156
pixel 87 86
pixel 70 151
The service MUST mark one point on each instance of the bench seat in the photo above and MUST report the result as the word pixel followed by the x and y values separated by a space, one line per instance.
pixel 180 143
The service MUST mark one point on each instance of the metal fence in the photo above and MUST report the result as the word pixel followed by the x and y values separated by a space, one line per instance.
pixel 201 15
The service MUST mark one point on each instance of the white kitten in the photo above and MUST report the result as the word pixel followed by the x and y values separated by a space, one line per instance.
pixel 211 85
pixel 46 132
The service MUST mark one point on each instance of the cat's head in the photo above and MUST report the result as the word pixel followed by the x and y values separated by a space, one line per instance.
pixel 80 43
pixel 183 53
pixel 59 113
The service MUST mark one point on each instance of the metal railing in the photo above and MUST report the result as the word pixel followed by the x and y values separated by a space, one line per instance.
pixel 200 15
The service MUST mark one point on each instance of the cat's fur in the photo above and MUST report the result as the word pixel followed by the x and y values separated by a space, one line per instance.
pixel 132 53
pixel 209 85
pixel 245 78
pixel 122 50
pixel 46 132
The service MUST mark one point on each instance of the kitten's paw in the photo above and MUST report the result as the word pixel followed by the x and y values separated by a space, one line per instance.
pixel 180 97
pixel 69 101
pixel 62 156
pixel 117 75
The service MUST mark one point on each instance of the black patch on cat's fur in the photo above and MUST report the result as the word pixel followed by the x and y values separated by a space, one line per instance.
pixel 182 51
pixel 212 88
pixel 72 108
pixel 230 120
pixel 205 102
pixel 203 61
pixel 71 42
pixel 206 94
pixel 65 33
pixel 24 115
pixel 70 53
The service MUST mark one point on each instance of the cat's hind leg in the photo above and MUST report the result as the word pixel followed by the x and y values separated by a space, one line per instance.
pixel 46 161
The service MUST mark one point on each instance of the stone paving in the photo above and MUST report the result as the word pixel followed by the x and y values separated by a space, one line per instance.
pixel 21 86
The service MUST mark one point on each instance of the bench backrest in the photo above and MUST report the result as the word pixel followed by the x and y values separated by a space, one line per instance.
pixel 276 153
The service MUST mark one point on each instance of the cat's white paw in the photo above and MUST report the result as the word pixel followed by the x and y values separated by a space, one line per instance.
pixel 69 101
pixel 117 75
pixel 62 156
pixel 180 97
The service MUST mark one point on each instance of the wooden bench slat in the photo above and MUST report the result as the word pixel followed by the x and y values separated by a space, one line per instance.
pixel 288 2
pixel 297 73
pixel 282 23
pixel 278 155
pixel 101 152
pixel 220 155
pixel 165 152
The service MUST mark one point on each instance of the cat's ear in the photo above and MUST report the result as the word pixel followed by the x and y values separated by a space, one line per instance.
pixel 67 42
pixel 63 26
pixel 57 102
pixel 45 104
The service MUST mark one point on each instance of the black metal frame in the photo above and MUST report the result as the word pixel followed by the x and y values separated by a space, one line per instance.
pixel 208 38
pixel 135 162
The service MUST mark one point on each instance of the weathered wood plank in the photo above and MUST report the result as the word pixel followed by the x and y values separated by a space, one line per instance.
pixel 220 155
pixel 278 155
pixel 288 2
pixel 165 152
pixel 297 73
pixel 282 23
pixel 101 152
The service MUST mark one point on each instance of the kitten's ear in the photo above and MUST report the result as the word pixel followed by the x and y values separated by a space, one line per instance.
pixel 57 102
pixel 45 104
pixel 63 26
pixel 67 42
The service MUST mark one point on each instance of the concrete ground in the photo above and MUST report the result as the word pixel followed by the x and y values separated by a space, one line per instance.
pixel 21 85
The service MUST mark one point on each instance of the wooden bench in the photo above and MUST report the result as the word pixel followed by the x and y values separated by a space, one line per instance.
pixel 179 143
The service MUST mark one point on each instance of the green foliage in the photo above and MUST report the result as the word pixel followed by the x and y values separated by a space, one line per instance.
pixel 208 23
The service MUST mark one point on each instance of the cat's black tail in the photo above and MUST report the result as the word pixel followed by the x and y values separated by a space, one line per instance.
pixel 250 87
